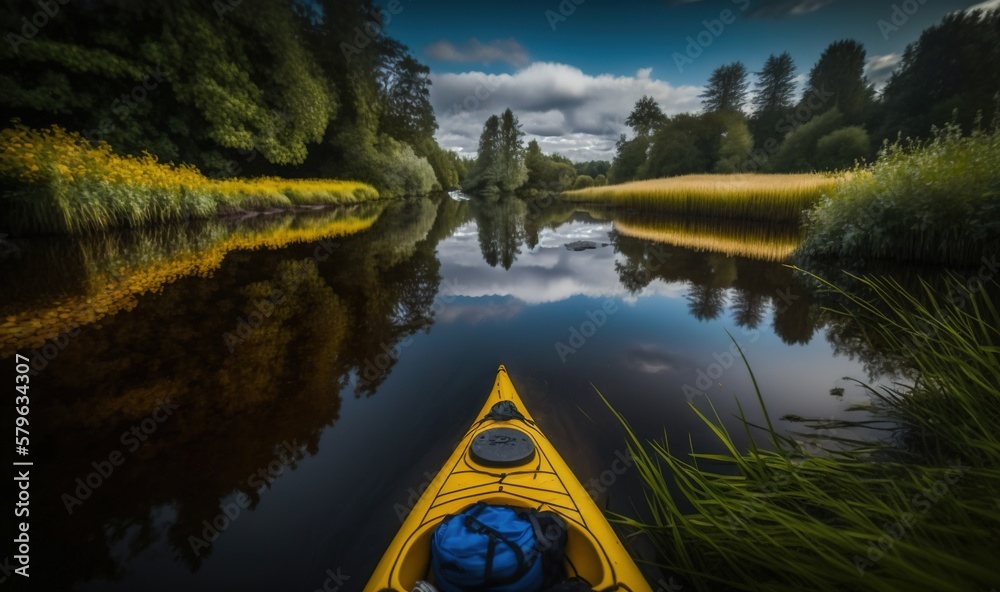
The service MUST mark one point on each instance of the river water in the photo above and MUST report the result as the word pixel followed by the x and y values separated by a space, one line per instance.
pixel 255 404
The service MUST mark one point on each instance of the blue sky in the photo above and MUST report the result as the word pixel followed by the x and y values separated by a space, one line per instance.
pixel 571 69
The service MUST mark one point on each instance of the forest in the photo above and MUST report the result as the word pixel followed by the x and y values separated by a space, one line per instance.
pixel 233 87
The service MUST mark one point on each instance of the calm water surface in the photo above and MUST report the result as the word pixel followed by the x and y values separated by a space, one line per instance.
pixel 368 356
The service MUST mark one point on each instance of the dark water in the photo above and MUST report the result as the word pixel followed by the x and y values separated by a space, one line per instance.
pixel 314 429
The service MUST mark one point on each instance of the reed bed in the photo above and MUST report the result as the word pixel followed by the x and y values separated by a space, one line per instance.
pixel 916 511
pixel 780 198
pixel 114 285
pixel 59 183
pixel 767 242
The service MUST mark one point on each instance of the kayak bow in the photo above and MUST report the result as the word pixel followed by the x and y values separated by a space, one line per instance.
pixel 528 476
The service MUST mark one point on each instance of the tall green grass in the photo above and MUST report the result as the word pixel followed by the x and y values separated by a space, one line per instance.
pixel 936 201
pixel 917 511
pixel 780 198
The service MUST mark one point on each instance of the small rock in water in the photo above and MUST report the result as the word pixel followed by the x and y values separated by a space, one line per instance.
pixel 581 245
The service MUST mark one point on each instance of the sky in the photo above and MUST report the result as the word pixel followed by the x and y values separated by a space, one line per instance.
pixel 571 70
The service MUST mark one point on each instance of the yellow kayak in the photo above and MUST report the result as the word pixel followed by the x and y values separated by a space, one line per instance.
pixel 527 476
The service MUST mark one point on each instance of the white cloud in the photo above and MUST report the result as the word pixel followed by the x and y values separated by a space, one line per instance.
pixel 500 50
pixel 880 67
pixel 580 115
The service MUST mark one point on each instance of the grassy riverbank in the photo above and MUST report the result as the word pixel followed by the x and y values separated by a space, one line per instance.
pixel 779 198
pixel 933 202
pixel 915 512
pixel 57 182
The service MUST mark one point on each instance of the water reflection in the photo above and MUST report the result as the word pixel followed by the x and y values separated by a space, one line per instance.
pixel 261 350
pixel 59 284
pixel 762 241
pixel 242 402
pixel 501 229
pixel 748 286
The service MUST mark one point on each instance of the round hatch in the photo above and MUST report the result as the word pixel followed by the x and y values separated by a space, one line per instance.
pixel 502 447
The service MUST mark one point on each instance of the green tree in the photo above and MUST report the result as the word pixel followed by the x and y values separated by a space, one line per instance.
pixel 646 117
pixel 174 79
pixel 689 143
pixel 838 80
pixel 535 162
pixel 961 56
pixel 727 88
pixel 405 87
pixel 734 148
pixel 774 96
pixel 513 172
pixel 485 175
pixel 500 165
pixel 592 167
pixel 775 86
pixel 630 155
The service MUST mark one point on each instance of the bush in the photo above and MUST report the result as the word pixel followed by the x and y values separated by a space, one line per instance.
pixel 842 149
pixel 935 202
pixel 583 181
pixel 403 172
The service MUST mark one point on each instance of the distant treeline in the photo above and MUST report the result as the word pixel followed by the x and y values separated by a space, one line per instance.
pixel 950 75
pixel 235 87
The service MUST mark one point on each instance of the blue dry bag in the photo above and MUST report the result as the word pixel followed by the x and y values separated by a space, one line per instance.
pixel 488 549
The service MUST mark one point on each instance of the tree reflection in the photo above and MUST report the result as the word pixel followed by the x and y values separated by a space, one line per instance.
pixel 748 308
pixel 299 326
pixel 754 285
pixel 706 303
pixel 501 229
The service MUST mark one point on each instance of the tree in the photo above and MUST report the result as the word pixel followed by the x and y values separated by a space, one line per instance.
pixel 404 83
pixel 838 80
pixel 735 148
pixel 592 167
pixel 646 117
pixel 675 150
pixel 773 98
pixel 176 80
pixel 727 88
pixel 629 157
pixel 513 173
pixel 500 164
pixel 485 174
pixel 961 56
pixel 689 144
pixel 775 86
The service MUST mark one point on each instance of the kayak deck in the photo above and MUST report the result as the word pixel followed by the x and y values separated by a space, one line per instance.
pixel 543 482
